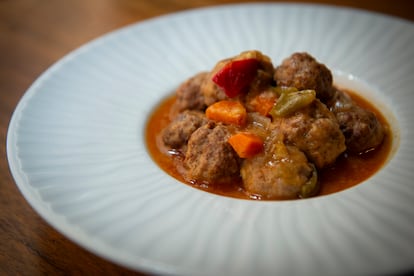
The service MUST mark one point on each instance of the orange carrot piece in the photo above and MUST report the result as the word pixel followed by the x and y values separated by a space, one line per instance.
pixel 263 105
pixel 246 144
pixel 228 112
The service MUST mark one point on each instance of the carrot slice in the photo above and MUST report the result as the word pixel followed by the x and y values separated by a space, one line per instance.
pixel 263 105
pixel 246 144
pixel 228 112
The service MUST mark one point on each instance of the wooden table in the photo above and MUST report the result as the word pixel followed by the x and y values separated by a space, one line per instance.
pixel 34 35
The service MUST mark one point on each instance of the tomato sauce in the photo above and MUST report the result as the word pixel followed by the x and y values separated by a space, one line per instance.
pixel 348 170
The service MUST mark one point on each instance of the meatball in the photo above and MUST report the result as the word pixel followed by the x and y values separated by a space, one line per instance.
pixel 213 93
pixel 315 131
pixel 177 133
pixel 210 91
pixel 209 157
pixel 189 95
pixel 280 175
pixel 361 128
pixel 303 71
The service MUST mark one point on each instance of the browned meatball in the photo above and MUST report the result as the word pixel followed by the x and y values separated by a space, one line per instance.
pixel 177 133
pixel 303 71
pixel 315 131
pixel 361 128
pixel 189 95
pixel 212 93
pixel 209 157
pixel 281 174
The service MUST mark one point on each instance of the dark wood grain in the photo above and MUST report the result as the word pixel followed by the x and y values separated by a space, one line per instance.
pixel 33 35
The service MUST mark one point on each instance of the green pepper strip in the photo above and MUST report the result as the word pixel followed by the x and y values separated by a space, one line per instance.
pixel 291 101
pixel 279 90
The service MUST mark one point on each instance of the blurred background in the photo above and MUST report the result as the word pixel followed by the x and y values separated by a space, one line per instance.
pixel 35 34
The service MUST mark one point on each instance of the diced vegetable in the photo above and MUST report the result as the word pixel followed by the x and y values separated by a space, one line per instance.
pixel 236 76
pixel 246 144
pixel 278 148
pixel 279 90
pixel 311 186
pixel 228 112
pixel 289 102
pixel 263 105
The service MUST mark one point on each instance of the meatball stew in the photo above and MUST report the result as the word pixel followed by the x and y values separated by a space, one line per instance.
pixel 248 129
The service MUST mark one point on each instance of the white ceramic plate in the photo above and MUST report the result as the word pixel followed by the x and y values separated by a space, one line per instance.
pixel 76 148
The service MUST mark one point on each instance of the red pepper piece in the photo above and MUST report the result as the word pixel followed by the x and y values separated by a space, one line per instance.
pixel 235 77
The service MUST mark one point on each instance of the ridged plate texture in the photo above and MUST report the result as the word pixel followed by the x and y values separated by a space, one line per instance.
pixel 76 148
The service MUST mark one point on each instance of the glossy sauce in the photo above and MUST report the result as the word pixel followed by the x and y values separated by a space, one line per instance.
pixel 348 170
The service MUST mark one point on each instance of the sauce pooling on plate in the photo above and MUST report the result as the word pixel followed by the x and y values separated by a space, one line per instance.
pixel 250 130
